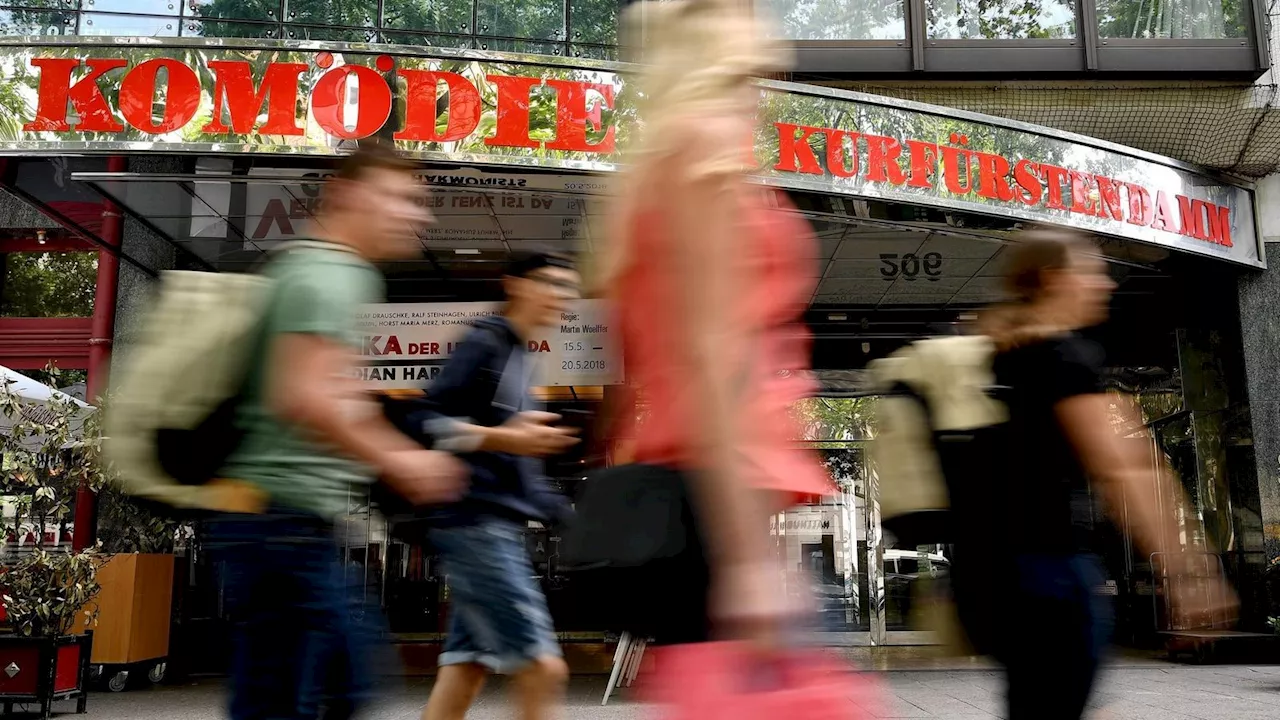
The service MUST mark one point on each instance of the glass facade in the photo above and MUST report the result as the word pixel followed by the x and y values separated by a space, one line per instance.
pixel 840 19
pixel 579 28
pixel 1174 20
pixel 1001 20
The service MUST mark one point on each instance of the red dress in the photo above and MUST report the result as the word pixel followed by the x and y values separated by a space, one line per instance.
pixel 774 254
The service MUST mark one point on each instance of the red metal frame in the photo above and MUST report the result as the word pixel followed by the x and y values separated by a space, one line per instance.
pixel 71 343
pixel 32 343
pixel 58 243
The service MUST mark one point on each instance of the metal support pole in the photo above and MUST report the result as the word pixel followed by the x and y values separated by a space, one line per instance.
pixel 104 322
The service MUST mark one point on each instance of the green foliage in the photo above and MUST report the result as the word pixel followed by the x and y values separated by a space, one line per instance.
pixel 834 422
pixel 125 526
pixel 52 284
pixel 49 451
pixel 46 592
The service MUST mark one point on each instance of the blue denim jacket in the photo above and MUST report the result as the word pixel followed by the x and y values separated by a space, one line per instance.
pixel 486 382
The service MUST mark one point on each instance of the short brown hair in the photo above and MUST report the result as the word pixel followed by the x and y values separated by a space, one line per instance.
pixel 372 156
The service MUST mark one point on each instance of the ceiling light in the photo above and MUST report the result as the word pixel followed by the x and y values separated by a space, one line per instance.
pixel 466 251
pixel 40 237
pixel 837 317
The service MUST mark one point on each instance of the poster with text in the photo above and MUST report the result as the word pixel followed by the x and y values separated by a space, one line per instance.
pixel 406 345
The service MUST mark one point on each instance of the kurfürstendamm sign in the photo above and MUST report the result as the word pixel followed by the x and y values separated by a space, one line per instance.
pixel 225 96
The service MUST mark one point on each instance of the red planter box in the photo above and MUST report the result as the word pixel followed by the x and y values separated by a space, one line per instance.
pixel 41 671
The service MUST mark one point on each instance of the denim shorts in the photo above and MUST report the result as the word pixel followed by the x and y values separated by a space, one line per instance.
pixel 499 616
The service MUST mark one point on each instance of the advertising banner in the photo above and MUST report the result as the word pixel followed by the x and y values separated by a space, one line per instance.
pixel 406 345
pixel 467 108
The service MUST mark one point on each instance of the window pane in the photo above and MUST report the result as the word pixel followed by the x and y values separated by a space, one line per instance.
pixel 521 46
pixel 216 29
pixel 47 4
pixel 363 13
pixel 840 19
pixel 1174 19
pixel 139 25
pixel 539 19
pixel 595 52
pixel 36 22
pixel 268 10
pixel 440 41
pixel 594 21
pixel 450 16
pixel 47 285
pixel 1002 19
pixel 139 7
pixel 298 32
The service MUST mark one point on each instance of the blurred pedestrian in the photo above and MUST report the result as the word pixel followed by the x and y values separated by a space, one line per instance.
pixel 482 409
pixel 709 278
pixel 1043 617
pixel 311 435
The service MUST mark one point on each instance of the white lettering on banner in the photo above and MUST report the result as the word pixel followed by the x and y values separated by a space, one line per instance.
pixel 404 346
pixel 277 212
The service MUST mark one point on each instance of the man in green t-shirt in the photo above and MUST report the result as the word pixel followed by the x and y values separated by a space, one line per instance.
pixel 312 434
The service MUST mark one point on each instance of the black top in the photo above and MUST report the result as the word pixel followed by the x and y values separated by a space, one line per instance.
pixel 1045 485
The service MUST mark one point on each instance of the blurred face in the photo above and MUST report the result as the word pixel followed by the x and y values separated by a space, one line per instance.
pixel 1082 291
pixel 544 294
pixel 388 211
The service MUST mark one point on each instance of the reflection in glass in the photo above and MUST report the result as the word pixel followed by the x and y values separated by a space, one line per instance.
pixel 363 13
pixel 139 25
pixel 540 19
pixel 134 7
pixel 839 19
pixel 449 16
pixel 595 52
pixel 14 21
pixel 216 29
pixel 301 32
pixel 593 21
pixel 426 40
pixel 1001 19
pixel 265 10
pixel 47 4
pixel 1173 19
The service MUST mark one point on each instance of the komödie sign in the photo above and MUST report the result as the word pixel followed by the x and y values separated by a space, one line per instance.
pixel 237 98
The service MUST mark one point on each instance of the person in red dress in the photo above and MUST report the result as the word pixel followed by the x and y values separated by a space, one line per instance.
pixel 709 279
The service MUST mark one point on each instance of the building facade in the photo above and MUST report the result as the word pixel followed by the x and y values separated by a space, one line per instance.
pixel 138 136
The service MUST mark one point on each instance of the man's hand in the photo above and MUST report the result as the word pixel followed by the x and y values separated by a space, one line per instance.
pixel 533 434
pixel 425 477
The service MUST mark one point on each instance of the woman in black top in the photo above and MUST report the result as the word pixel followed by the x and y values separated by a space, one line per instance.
pixel 1048 625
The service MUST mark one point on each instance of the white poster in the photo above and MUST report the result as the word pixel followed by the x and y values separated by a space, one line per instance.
pixel 406 345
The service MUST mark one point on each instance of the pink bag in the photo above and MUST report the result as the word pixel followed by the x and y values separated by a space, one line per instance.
pixel 732 681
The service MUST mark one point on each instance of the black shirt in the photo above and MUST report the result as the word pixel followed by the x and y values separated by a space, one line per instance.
pixel 1044 486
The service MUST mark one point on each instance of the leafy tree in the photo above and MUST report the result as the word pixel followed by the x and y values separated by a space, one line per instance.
pixel 53 284
pixel 1175 19
pixel 836 422
pixel 840 20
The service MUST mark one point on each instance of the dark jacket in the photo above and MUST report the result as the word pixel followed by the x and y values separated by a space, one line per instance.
pixel 486 382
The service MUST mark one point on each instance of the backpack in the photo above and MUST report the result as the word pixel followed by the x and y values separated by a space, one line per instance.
pixel 938 436
pixel 171 425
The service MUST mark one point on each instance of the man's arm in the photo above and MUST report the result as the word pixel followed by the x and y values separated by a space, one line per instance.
pixel 452 399
pixel 310 387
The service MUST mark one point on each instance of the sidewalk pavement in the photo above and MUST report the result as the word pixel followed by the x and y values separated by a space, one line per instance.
pixel 1130 691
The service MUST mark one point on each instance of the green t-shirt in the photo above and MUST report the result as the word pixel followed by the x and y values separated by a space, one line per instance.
pixel 316 291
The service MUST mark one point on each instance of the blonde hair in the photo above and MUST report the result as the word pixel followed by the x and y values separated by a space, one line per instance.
pixel 695 58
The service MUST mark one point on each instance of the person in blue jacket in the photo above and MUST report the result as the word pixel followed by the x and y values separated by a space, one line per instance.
pixel 481 409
